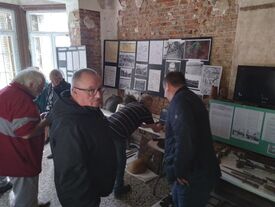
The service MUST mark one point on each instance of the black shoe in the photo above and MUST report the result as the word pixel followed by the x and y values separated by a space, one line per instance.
pixel 44 204
pixel 50 156
pixel 125 189
pixel 5 188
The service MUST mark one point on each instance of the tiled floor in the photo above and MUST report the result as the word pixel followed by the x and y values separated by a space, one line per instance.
pixel 140 196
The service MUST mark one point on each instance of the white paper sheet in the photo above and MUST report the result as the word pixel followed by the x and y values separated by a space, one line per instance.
pixel 75 60
pixel 156 48
pixel 142 51
pixel 61 55
pixel 247 125
pixel 82 59
pixel 211 76
pixel 154 80
pixel 110 75
pixel 269 128
pixel 193 72
pixel 69 61
pixel 221 119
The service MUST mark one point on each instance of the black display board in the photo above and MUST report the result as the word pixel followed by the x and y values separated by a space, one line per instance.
pixel 142 64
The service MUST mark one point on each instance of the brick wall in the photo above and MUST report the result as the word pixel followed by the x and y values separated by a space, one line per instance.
pixel 86 31
pixel 163 19
pixel 90 36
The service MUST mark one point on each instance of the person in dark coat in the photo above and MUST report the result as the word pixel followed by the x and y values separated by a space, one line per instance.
pixel 53 91
pixel 83 151
pixel 123 123
pixel 191 165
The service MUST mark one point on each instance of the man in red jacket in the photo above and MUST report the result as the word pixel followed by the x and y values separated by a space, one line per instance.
pixel 20 158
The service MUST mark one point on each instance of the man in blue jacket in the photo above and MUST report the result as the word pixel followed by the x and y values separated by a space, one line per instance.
pixel 190 162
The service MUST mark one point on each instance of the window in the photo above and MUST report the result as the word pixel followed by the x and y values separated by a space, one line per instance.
pixel 8 47
pixel 45 34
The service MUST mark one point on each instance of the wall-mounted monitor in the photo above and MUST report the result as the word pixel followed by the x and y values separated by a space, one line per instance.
pixel 255 85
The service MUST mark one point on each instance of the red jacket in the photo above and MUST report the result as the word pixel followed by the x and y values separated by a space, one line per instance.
pixel 18 116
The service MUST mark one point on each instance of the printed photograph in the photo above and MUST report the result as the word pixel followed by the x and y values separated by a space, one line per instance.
pixel 127 60
pixel 172 65
pixel 197 49
pixel 140 84
pixel 173 49
pixel 125 73
pixel 124 83
pixel 141 69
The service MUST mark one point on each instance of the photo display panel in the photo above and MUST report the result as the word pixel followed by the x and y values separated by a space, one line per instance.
pixel 142 65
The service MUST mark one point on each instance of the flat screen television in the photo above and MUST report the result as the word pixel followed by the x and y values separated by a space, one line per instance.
pixel 255 85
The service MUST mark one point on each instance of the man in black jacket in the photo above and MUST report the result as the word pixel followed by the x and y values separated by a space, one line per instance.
pixel 83 152
pixel 190 162
pixel 53 91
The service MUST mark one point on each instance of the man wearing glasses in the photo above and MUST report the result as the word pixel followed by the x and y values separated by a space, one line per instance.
pixel 83 152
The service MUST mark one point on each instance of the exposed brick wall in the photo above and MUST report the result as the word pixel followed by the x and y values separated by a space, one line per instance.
pixel 90 36
pixel 164 19
pixel 74 28
pixel 86 31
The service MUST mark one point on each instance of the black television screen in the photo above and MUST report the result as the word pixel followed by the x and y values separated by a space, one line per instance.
pixel 255 85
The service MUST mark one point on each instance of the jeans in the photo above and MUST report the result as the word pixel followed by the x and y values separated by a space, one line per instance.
pixel 120 145
pixel 24 192
pixel 196 194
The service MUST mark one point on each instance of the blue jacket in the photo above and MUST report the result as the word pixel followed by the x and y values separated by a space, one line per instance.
pixel 189 148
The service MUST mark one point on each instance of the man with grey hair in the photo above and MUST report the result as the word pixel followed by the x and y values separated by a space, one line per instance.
pixel 21 158
pixel 83 151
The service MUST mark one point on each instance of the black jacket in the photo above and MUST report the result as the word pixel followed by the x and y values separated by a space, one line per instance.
pixel 53 93
pixel 83 153
pixel 189 149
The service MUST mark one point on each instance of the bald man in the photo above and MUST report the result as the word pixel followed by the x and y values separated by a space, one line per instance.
pixel 83 152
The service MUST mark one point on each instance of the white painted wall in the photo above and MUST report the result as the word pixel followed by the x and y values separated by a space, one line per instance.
pixel 10 1
pixel 254 42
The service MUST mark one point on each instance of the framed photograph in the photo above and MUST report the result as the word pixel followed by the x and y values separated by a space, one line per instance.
pixel 126 60
pixel 198 49
pixel 172 65
pixel 124 83
pixel 111 50
pixel 173 49
pixel 140 84
pixel 126 73
pixel 127 46
pixel 141 69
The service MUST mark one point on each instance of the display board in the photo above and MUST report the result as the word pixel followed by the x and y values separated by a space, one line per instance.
pixel 141 65
pixel 71 59
pixel 248 127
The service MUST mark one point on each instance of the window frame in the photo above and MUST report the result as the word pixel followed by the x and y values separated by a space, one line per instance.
pixel 15 56
pixel 52 35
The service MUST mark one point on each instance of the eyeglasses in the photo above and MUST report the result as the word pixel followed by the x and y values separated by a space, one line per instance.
pixel 91 92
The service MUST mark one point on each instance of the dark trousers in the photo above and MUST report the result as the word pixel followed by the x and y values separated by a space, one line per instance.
pixel 120 145
pixel 194 195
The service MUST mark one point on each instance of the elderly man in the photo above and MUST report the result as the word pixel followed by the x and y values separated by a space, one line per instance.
pixel 83 151
pixel 58 85
pixel 20 159
pixel 191 164
pixel 53 91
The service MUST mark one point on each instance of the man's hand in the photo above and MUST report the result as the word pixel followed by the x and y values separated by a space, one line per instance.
pixel 182 181
pixel 38 130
